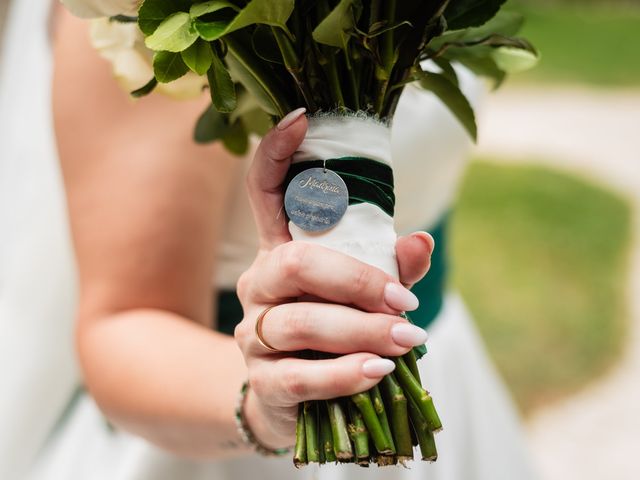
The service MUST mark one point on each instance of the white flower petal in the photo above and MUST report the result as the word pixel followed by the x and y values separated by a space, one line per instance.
pixel 122 44
pixel 102 8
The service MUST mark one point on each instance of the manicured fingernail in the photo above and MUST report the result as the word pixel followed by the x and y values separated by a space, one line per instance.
pixel 290 118
pixel 408 335
pixel 377 367
pixel 399 298
pixel 427 238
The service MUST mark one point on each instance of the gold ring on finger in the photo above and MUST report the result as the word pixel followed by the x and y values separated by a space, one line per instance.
pixel 259 334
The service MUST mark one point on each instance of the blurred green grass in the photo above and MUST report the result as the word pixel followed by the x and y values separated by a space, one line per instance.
pixel 586 42
pixel 540 257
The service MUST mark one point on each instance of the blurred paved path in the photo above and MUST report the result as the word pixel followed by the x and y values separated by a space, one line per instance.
pixel 594 434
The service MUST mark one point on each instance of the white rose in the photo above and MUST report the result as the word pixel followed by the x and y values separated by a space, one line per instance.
pixel 102 8
pixel 122 44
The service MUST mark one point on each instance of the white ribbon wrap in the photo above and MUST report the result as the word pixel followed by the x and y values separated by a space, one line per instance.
pixel 365 231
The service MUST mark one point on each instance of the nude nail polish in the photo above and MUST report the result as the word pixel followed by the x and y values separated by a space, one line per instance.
pixel 399 298
pixel 377 367
pixel 426 238
pixel 408 335
pixel 290 118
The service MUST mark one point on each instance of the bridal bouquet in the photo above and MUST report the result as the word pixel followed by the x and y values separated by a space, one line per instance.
pixel 346 62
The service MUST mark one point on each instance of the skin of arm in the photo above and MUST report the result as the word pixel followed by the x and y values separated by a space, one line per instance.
pixel 146 207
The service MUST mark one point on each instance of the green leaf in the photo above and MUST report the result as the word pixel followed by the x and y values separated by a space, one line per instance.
pixel 146 89
pixel 200 9
pixel 478 60
pixel 506 24
pixel 222 88
pixel 447 70
pixel 452 97
pixel 470 13
pixel 168 66
pixel 380 29
pixel 174 34
pixel 513 59
pixel 256 121
pixel 198 57
pixel 211 126
pixel 236 138
pixel 336 28
pixel 268 12
pixel 265 45
pixel 253 74
pixel 153 12
pixel 211 31
pixel 485 67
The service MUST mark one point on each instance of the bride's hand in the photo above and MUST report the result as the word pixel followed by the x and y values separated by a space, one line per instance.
pixel 361 323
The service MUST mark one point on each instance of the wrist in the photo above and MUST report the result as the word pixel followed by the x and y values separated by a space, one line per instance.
pixel 261 434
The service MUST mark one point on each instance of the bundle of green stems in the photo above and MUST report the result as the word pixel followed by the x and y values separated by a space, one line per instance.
pixel 378 426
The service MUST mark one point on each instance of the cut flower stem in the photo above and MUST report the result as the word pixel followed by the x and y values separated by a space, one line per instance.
pixel 419 395
pixel 379 426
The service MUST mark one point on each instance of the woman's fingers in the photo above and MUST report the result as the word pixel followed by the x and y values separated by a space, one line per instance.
pixel 413 253
pixel 295 269
pixel 266 176
pixel 289 381
pixel 334 329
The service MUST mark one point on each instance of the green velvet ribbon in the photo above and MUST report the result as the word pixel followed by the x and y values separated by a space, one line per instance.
pixel 368 181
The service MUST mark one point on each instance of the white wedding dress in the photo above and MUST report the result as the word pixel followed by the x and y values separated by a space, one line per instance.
pixel 51 430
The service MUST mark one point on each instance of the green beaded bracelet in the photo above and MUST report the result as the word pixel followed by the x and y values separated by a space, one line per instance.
pixel 245 432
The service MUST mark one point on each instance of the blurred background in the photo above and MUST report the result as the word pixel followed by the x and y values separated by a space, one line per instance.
pixel 546 242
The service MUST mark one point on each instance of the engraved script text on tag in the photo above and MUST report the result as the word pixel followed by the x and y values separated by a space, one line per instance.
pixel 323 185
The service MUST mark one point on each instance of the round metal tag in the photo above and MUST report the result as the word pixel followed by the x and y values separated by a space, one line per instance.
pixel 316 199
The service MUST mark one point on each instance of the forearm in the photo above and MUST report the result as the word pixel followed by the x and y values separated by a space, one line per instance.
pixel 165 378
